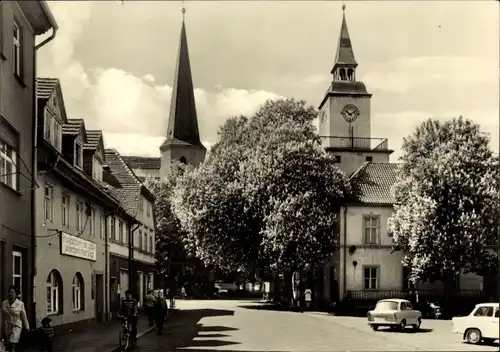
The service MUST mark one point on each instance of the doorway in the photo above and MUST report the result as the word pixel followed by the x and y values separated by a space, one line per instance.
pixel 99 297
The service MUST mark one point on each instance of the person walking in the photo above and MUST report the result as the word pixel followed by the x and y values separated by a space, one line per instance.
pixel 149 303
pixel 130 310
pixel 308 298
pixel 47 335
pixel 12 320
pixel 160 309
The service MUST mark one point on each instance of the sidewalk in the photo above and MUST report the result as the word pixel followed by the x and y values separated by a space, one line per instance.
pixel 101 338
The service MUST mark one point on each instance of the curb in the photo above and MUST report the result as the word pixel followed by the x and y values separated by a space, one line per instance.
pixel 141 334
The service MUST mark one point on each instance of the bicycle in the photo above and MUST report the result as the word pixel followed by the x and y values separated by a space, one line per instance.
pixel 125 335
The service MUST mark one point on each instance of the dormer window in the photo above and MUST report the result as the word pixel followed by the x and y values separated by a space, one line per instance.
pixel 78 157
pixel 96 169
pixel 52 130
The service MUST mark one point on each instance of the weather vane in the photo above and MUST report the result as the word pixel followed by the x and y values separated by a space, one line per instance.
pixel 343 7
pixel 183 9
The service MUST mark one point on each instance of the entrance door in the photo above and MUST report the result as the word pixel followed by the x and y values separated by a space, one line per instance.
pixel 99 297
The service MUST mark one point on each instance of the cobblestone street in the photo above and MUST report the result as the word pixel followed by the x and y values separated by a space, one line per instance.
pixel 237 325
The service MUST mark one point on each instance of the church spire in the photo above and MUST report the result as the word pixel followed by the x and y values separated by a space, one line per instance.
pixel 345 63
pixel 183 121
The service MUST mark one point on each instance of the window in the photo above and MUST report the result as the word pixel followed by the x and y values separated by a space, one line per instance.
pixel 48 202
pixel 145 241
pixel 148 209
pixel 65 209
pixel 56 135
pixel 53 285
pixel 485 311
pixel 183 160
pixel 77 292
pixel 112 231
pixel 96 169
pixel 370 277
pixel 151 243
pixel 139 240
pixel 125 237
pixel 371 227
pixel 369 158
pixel 48 126
pixel 338 159
pixel 18 49
pixel 102 225
pixel 79 216
pixel 141 204
pixel 92 222
pixel 17 270
pixel 78 155
pixel 408 306
pixel 120 231
pixel 8 165
pixel 497 313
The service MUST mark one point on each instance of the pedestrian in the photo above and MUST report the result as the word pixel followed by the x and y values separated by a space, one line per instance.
pixel 12 320
pixel 308 298
pixel 160 310
pixel 149 305
pixel 130 310
pixel 47 335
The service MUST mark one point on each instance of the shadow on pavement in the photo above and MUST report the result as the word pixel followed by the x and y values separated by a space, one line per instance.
pixel 189 329
pixel 264 306
pixel 214 328
pixel 407 331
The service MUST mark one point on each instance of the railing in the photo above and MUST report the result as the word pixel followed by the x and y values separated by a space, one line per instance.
pixel 355 143
pixel 375 295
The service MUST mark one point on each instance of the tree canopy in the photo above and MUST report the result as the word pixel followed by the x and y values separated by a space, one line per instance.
pixel 265 199
pixel 446 201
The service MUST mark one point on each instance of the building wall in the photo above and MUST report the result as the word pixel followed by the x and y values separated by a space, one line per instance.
pixel 16 107
pixel 334 123
pixel 193 155
pixel 390 271
pixel 49 255
pixel 146 173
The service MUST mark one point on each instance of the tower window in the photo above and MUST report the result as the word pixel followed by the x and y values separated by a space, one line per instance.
pixel 183 160
pixel 342 74
pixel 338 159
pixel 350 74
pixel 369 158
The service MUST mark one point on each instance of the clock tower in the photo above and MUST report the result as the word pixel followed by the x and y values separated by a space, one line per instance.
pixel 345 112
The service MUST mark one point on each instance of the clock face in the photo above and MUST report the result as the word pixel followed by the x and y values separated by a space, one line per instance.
pixel 350 113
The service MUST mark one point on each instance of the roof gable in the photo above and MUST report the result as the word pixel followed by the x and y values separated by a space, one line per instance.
pixel 374 182
pixel 75 127
pixel 50 96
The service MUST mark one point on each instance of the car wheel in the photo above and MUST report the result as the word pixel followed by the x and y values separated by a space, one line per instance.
pixel 402 325
pixel 375 327
pixel 473 336
pixel 417 325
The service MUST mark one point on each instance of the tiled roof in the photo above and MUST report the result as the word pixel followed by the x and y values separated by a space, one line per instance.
pixel 139 162
pixel 124 184
pixel 93 138
pixel 375 181
pixel 45 86
pixel 73 126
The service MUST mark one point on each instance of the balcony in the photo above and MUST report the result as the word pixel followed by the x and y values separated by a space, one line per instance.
pixel 355 143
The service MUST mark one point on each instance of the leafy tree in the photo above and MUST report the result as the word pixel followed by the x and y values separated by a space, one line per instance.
pixel 174 256
pixel 447 196
pixel 265 199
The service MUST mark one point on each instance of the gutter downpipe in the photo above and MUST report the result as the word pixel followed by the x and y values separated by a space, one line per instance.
pixel 34 164
pixel 131 252
pixel 344 247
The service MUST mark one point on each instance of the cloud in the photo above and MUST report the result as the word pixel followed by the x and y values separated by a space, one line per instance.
pixel 402 74
pixel 131 110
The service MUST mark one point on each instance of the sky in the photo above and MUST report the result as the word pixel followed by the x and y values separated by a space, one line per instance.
pixel 419 59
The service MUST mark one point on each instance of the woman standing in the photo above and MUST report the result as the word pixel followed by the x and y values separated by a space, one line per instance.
pixel 12 320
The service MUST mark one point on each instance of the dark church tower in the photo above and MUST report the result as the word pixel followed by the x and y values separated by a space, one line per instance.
pixel 183 138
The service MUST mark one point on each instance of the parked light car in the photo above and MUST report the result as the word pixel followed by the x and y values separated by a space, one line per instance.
pixel 395 313
pixel 482 324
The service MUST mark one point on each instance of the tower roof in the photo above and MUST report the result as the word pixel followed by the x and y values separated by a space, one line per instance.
pixel 183 121
pixel 345 54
